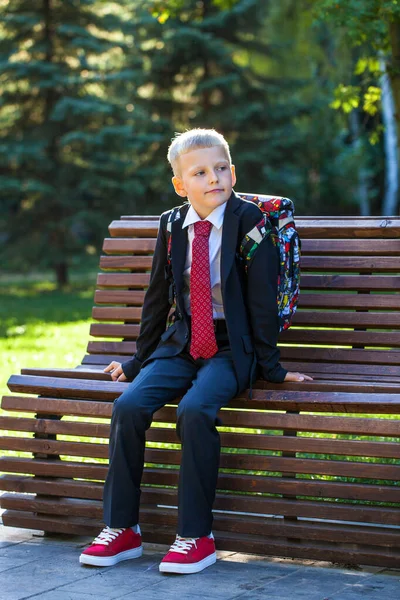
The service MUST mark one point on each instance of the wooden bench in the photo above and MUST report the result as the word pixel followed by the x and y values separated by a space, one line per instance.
pixel 307 470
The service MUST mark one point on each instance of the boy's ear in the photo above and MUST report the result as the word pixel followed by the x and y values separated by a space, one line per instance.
pixel 179 186
pixel 233 171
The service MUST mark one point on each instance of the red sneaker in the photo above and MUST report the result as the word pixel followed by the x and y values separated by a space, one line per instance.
pixel 111 546
pixel 189 555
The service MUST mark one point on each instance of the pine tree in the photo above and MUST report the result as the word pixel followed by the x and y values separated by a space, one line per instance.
pixel 73 147
pixel 207 67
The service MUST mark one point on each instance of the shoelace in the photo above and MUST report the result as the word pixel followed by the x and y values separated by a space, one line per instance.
pixel 182 545
pixel 107 536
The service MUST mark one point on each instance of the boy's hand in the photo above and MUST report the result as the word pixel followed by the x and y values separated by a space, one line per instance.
pixel 116 371
pixel 297 377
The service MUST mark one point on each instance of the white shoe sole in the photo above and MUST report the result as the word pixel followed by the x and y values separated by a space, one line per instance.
pixel 166 567
pixel 109 561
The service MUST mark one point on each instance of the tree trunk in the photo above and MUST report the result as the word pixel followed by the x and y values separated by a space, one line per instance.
pixel 362 175
pixel 390 200
pixel 61 271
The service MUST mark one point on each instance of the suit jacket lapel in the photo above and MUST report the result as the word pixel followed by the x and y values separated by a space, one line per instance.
pixel 229 237
pixel 179 243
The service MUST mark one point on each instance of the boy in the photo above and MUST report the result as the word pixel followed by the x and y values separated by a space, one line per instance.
pixel 224 323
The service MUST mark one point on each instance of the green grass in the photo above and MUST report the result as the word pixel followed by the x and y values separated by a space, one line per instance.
pixel 41 326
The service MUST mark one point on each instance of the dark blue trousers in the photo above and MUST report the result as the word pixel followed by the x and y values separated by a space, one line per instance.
pixel 206 385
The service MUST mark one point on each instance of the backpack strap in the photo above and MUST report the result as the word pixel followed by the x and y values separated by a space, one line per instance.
pixel 173 216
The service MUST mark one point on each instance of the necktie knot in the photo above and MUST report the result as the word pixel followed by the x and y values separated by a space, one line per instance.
pixel 202 228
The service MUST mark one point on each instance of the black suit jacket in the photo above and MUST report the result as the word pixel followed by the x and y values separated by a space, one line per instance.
pixel 249 300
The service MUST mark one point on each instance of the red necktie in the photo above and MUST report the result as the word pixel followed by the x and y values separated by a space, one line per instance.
pixel 203 344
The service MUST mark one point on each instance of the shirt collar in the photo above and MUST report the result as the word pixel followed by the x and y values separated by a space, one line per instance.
pixel 216 217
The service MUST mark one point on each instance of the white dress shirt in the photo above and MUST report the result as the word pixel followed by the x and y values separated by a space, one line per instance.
pixel 216 217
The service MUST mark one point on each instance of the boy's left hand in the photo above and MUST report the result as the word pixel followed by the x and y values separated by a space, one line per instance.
pixel 290 376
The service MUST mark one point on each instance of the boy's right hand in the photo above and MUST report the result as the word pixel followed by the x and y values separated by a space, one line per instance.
pixel 115 371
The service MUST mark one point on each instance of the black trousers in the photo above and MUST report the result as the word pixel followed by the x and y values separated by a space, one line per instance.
pixel 206 386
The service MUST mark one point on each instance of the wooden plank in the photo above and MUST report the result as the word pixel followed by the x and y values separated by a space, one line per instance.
pixel 51 426
pixel 51 487
pixel 350 264
pixel 129 245
pixel 123 280
pixel 372 320
pixel 95 374
pixel 56 406
pixel 308 282
pixel 351 247
pixel 127 348
pixel 228 439
pixel 109 390
pixel 345 356
pixel 326 300
pixel 340 263
pixel 320 227
pixel 54 468
pixel 226 481
pixel 101 359
pixel 239 461
pixel 133 263
pixel 346 370
pixel 276 396
pixel 55 524
pixel 131 297
pixel 266 527
pixel 230 418
pixel 378 283
pixel 111 330
pixel 223 502
pixel 293 335
pixel 120 313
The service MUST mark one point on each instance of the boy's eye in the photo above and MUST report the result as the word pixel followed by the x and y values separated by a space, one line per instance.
pixel 222 168
pixel 199 173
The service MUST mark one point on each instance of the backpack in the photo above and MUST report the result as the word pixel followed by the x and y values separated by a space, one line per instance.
pixel 278 223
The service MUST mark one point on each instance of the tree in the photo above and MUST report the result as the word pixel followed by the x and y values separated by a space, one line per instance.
pixel 208 66
pixel 372 26
pixel 73 151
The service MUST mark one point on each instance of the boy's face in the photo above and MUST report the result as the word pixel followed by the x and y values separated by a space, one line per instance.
pixel 206 178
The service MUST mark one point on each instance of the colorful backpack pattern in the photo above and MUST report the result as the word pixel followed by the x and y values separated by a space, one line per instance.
pixel 277 222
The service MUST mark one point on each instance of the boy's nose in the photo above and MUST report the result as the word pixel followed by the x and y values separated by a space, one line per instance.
pixel 213 177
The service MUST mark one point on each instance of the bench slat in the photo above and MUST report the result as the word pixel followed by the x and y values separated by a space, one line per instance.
pixel 320 509
pixel 230 502
pixel 226 481
pixel 266 527
pixel 306 300
pixel 375 320
pixel 293 335
pixel 346 247
pixel 358 264
pixel 324 227
pixel 310 282
pixel 231 418
pixel 237 461
pixel 244 441
pixel 278 397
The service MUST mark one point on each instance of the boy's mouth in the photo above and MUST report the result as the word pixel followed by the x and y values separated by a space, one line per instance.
pixel 215 190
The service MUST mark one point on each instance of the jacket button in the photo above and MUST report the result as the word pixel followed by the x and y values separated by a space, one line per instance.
pixel 186 336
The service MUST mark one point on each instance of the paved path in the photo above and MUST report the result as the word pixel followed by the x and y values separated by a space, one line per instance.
pixel 47 568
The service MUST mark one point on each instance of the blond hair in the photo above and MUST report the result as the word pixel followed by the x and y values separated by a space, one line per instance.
pixel 193 139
